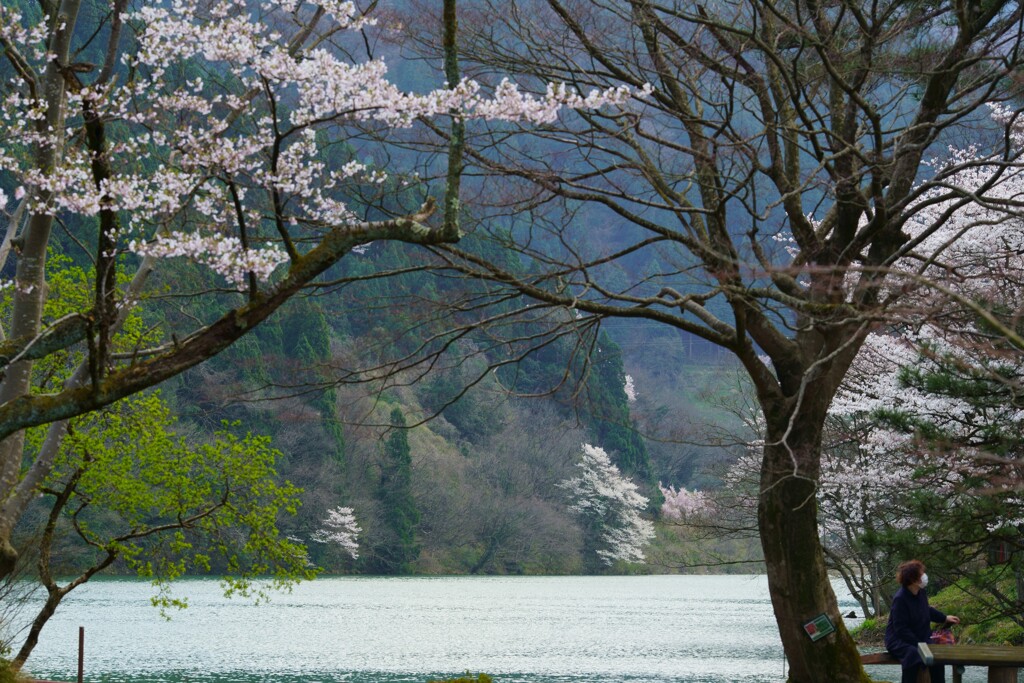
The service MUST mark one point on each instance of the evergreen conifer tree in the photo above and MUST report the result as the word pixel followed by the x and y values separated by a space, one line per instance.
pixel 607 414
pixel 399 550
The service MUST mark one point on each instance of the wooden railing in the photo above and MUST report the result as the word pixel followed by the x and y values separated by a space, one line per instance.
pixel 1002 661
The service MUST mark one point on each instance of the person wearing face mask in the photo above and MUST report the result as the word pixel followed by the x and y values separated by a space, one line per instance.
pixel 910 622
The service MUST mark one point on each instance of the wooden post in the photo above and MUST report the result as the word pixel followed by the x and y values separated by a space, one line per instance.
pixel 81 654
pixel 1002 674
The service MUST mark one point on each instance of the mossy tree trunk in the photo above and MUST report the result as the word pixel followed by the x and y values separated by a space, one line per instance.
pixel 797 576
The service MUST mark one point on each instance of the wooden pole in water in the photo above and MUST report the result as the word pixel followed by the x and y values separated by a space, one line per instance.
pixel 81 654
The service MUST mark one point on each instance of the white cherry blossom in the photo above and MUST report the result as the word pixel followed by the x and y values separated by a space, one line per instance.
pixel 605 497
pixel 341 529
pixel 243 139
pixel 629 386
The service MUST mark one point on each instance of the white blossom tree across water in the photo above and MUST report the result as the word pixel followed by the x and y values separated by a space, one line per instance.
pixel 611 508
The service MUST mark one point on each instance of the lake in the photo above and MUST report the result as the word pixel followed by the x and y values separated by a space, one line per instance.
pixel 655 629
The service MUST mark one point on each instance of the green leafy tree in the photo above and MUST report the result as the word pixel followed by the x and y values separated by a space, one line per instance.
pixel 125 487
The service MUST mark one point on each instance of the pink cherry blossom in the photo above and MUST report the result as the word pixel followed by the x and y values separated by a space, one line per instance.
pixel 683 504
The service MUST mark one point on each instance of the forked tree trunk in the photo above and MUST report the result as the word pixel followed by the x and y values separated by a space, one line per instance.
pixel 797 577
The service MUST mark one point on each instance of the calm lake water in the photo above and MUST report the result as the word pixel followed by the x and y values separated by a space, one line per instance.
pixel 655 629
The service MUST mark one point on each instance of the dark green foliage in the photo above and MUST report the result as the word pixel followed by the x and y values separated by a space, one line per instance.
pixel 470 413
pixel 303 323
pixel 298 352
pixel 468 678
pixel 988 383
pixel 323 400
pixel 607 413
pixel 397 553
pixel 249 356
pixel 376 303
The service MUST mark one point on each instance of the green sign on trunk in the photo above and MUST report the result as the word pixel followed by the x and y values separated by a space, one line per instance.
pixel 819 627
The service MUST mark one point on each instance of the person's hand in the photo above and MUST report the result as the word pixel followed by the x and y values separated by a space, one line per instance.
pixel 952 619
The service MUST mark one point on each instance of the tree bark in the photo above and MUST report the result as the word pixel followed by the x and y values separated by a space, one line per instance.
pixel 49 608
pixel 30 276
pixel 797 576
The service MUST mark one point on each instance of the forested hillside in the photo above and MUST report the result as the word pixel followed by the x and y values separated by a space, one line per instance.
pixel 488 430
pixel 453 461
pixel 445 414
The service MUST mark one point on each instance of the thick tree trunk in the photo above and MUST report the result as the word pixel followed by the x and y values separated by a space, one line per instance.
pixel 30 275
pixel 797 577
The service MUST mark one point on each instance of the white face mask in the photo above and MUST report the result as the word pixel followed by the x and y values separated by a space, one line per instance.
pixel 924 580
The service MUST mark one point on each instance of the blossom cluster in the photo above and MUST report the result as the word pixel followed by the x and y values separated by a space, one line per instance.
pixel 222 254
pixel 260 137
pixel 682 504
pixel 967 237
pixel 509 104
pixel 341 529
pixel 604 496
pixel 15 30
pixel 629 386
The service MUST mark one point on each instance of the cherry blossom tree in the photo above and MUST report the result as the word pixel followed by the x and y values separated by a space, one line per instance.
pixel 933 467
pixel 769 123
pixel 236 135
pixel 922 449
pixel 611 507
pixel 340 529
pixel 684 505
pixel 862 499
pixel 938 404
pixel 910 468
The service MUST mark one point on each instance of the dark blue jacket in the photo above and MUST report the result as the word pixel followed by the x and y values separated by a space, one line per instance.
pixel 909 624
